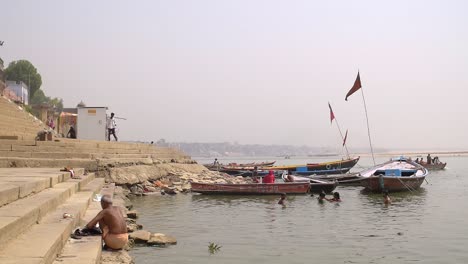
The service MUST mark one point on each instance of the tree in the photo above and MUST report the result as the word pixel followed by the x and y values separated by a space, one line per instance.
pixel 39 98
pixel 23 70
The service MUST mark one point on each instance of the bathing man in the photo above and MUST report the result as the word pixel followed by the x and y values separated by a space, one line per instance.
pixel 112 224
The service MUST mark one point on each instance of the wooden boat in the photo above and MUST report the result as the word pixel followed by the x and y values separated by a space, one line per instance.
pixel 316 186
pixel 434 166
pixel 243 172
pixel 239 167
pixel 398 174
pixel 251 188
pixel 347 179
pixel 325 168
pixel 253 164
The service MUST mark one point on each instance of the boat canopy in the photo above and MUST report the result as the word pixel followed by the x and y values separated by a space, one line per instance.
pixel 395 172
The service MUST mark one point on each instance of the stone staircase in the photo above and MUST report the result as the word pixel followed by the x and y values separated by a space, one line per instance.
pixel 91 155
pixel 16 123
pixel 33 202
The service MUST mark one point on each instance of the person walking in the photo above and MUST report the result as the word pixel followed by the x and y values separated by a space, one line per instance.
pixel 111 127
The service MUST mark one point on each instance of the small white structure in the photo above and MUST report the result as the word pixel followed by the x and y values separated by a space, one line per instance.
pixel 20 89
pixel 91 123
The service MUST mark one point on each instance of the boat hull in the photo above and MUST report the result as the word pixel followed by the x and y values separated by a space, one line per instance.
pixel 251 189
pixel 316 186
pixel 348 179
pixel 438 166
pixel 325 187
pixel 325 168
pixel 392 184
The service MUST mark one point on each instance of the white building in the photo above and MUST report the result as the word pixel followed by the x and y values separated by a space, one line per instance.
pixel 20 89
pixel 91 123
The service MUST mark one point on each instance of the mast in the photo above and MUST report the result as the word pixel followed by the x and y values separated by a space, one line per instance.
pixel 357 85
pixel 368 129
pixel 341 134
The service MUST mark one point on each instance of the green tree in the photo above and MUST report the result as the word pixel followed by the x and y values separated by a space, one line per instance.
pixel 39 98
pixel 23 70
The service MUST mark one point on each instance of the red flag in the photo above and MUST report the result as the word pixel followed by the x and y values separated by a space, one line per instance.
pixel 345 136
pixel 332 116
pixel 356 86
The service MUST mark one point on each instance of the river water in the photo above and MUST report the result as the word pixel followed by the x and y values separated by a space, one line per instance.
pixel 426 226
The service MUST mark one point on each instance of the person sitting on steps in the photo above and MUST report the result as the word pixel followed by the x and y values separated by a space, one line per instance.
pixel 112 223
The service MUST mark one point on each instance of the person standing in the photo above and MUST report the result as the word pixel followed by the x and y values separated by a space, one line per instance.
pixel 111 127
pixel 429 160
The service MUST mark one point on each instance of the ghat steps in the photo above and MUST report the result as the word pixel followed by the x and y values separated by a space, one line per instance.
pixel 32 226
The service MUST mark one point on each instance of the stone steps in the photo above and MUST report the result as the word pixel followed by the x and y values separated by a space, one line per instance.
pixel 15 121
pixel 73 149
pixel 87 250
pixel 46 239
pixel 9 162
pixel 16 183
pixel 17 135
pixel 19 125
pixel 22 213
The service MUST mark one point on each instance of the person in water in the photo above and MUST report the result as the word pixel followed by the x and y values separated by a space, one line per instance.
pixel 387 199
pixel 112 223
pixel 282 200
pixel 321 197
pixel 270 178
pixel 336 197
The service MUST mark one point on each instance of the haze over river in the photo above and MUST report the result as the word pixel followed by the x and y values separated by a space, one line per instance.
pixel 426 226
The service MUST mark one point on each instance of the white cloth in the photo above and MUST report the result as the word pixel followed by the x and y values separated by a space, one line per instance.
pixel 111 123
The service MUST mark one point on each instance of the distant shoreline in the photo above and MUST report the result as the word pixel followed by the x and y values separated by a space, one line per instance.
pixel 416 153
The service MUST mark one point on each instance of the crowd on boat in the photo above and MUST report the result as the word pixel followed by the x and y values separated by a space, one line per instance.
pixel 429 160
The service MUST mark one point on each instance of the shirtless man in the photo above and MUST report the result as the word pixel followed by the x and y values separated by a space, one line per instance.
pixel 387 199
pixel 112 224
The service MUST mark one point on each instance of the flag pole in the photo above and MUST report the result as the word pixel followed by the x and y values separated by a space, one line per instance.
pixel 368 129
pixel 342 138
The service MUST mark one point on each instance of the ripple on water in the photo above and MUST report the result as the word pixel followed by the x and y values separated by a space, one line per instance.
pixel 424 226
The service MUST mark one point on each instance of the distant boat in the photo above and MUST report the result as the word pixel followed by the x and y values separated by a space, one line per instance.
pixel 251 188
pixel 398 174
pixel 238 167
pixel 434 165
pixel 324 168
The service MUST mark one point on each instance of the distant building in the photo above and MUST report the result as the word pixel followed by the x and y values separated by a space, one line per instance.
pixel 2 77
pixel 20 90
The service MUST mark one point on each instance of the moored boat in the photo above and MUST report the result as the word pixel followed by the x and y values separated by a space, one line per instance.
pixel 316 186
pixel 346 179
pixel 398 174
pixel 251 188
pixel 238 167
pixel 324 168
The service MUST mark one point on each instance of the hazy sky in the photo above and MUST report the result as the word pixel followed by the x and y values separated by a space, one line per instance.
pixel 255 71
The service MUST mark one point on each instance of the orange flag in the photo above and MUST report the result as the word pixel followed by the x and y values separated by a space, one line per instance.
pixel 356 86
pixel 332 116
